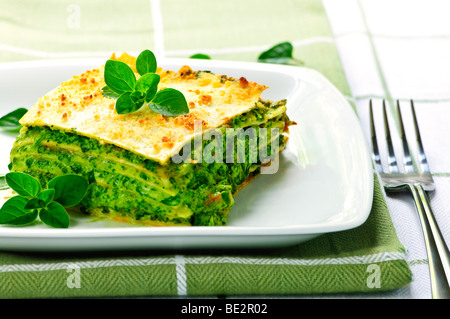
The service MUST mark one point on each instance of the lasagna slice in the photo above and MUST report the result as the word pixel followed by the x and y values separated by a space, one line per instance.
pixel 146 168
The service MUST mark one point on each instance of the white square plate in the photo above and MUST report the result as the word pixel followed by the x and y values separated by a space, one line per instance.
pixel 324 182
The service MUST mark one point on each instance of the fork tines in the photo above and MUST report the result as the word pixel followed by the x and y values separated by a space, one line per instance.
pixel 408 164
pixel 418 183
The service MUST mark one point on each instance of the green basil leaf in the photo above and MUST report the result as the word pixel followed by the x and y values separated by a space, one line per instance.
pixel 23 184
pixel 146 62
pixel 148 84
pixel 281 50
pixel 151 92
pixel 55 215
pixel 119 76
pixel 125 104
pixel 10 121
pixel 147 81
pixel 46 196
pixel 13 212
pixel 169 102
pixel 69 189
pixel 279 54
pixel 108 92
pixel 33 203
pixel 42 200
pixel 200 56
pixel 137 97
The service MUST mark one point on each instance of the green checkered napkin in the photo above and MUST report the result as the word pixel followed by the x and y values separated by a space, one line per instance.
pixel 366 259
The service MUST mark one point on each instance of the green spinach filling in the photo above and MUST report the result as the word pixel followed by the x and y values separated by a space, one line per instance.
pixel 125 184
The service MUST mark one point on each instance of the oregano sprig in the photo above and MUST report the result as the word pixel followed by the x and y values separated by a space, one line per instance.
pixel 48 204
pixel 132 94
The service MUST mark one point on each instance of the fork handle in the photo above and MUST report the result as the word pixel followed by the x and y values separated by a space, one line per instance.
pixel 438 253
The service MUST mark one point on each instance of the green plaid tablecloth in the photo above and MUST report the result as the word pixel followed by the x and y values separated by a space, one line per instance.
pixel 347 261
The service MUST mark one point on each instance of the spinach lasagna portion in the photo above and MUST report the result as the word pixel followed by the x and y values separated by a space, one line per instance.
pixel 129 160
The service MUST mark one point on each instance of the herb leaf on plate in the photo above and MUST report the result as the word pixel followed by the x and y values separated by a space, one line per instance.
pixel 169 102
pixel 48 204
pixel 132 94
pixel 125 104
pixel 46 196
pixel 108 92
pixel 13 212
pixel 55 215
pixel 146 62
pixel 119 77
pixel 69 189
pixel 10 121
pixel 23 184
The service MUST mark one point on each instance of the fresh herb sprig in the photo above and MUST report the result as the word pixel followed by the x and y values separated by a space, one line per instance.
pixel 10 121
pixel 132 94
pixel 48 204
pixel 281 53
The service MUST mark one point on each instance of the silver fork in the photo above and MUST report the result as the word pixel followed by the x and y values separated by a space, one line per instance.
pixel 418 182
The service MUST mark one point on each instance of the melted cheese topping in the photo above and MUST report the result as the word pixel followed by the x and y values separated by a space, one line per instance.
pixel 78 105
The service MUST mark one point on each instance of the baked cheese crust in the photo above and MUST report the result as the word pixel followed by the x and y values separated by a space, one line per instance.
pixel 78 105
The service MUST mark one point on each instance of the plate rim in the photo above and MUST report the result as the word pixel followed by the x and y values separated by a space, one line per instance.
pixel 313 228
